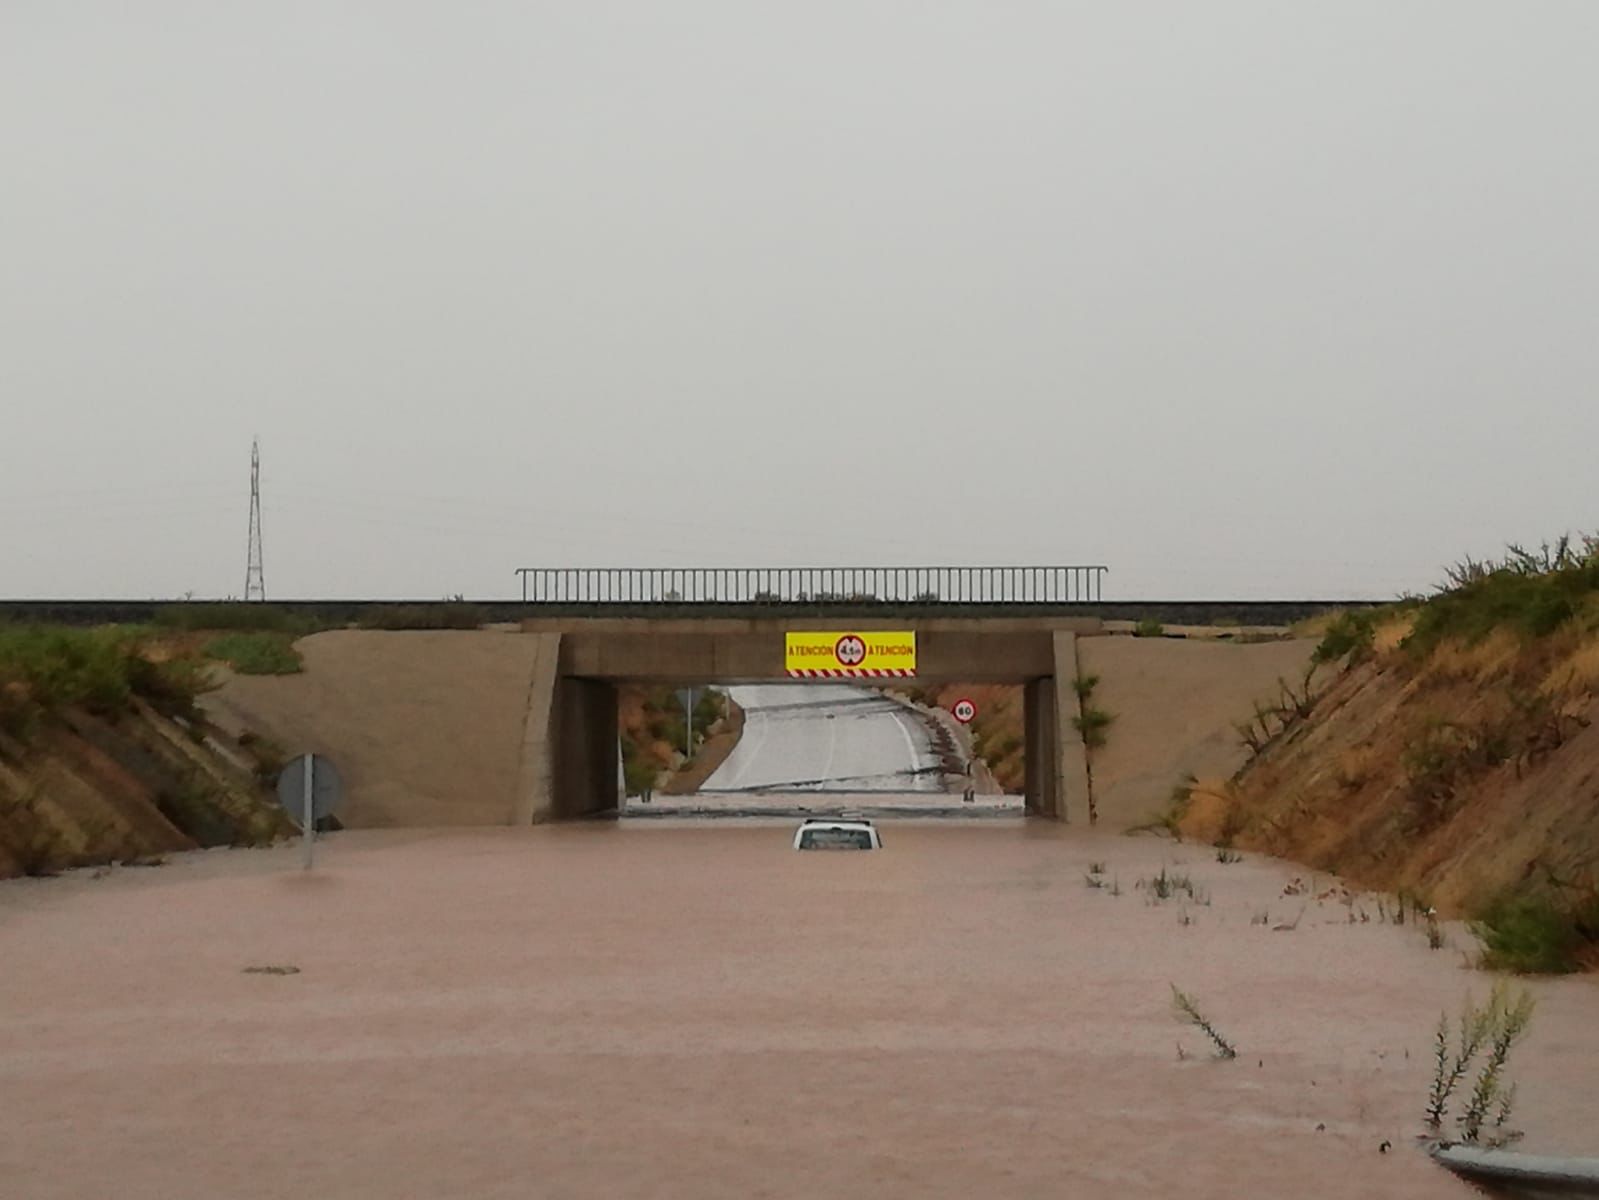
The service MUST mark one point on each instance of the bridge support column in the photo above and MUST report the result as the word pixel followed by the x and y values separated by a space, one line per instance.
pixel 1038 722
pixel 1057 761
pixel 1071 756
pixel 535 786
pixel 570 756
pixel 587 752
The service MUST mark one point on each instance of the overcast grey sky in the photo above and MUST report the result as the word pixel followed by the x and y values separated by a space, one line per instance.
pixel 1241 299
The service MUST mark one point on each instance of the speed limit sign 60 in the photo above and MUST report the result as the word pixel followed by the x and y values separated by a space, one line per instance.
pixel 964 711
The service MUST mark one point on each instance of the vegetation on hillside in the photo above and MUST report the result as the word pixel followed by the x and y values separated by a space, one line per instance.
pixel 1434 761
pixel 1532 593
pixel 258 617
pixel 46 669
pixel 260 653
pixel 103 751
pixel 1541 932
pixel 223 615
pixel 455 613
pixel 997 736
pixel 654 726
pixel 258 639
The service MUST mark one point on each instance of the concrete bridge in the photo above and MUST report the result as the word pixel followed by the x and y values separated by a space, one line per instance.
pixel 600 627
pixel 519 724
pixel 569 756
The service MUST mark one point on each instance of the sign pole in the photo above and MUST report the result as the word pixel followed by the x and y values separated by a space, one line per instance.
pixel 685 697
pixel 308 820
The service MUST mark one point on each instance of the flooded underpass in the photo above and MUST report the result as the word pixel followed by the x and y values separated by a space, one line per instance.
pixel 826 749
pixel 693 1009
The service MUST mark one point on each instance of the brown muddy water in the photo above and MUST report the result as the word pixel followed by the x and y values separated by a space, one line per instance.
pixel 665 1009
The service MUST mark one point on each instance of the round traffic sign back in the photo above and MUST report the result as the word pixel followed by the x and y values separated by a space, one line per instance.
pixel 964 710
pixel 327 788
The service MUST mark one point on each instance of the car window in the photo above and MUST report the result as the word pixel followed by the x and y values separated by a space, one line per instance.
pixel 836 839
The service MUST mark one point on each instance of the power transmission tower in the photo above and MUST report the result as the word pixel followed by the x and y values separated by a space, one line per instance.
pixel 254 576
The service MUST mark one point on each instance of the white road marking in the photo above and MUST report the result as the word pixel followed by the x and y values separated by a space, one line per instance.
pixel 910 747
pixel 784 735
pixel 832 748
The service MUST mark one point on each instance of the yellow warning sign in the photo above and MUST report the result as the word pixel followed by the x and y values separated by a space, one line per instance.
pixel 863 654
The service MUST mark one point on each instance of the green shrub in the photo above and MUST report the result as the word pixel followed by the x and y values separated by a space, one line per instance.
pixel 1533 934
pixel 1530 592
pixel 1350 634
pixel 235 615
pixel 638 773
pixel 451 614
pixel 268 757
pixel 58 666
pixel 171 686
pixel 45 668
pixel 710 706
pixel 1149 627
pixel 1093 723
pixel 1483 1040
pixel 17 710
pixel 1188 1012
pixel 260 653
pixel 1432 761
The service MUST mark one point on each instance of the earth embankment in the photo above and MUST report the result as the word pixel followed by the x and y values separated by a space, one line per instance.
pixel 89 788
pixel 1457 775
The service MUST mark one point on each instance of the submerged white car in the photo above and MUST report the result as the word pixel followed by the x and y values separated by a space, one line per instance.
pixel 837 835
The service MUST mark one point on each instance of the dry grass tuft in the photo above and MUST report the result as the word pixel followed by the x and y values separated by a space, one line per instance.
pixel 1492 657
pixel 1391 631
pixel 1577 671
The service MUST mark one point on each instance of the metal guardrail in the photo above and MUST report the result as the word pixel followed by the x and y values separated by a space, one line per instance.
pixel 811 585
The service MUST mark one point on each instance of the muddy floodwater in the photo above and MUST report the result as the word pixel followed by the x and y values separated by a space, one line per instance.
pixel 695 1010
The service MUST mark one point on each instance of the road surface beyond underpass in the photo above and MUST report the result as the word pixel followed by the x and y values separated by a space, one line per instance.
pixel 807 737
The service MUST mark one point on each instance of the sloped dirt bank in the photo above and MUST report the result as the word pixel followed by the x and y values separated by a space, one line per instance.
pixel 1465 774
pixel 84 789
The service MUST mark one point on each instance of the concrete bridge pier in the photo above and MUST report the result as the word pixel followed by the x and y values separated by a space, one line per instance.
pixel 1042 796
pixel 1057 762
pixel 570 754
pixel 586 748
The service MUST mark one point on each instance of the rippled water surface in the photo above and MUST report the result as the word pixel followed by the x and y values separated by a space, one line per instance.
pixel 664 1009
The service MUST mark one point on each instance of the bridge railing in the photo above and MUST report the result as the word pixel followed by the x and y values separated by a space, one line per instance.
pixel 818 586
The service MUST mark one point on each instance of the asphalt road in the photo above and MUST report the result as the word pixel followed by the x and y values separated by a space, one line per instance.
pixel 826 737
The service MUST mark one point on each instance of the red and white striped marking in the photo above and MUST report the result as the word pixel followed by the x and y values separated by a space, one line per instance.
pixel 851 673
